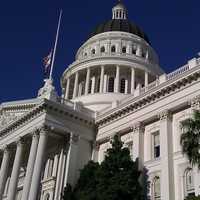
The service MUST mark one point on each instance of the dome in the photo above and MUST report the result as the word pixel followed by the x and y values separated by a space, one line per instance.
pixel 122 25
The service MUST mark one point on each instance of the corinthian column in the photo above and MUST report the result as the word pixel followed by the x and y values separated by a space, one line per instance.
pixel 4 170
pixel 102 79
pixel 38 165
pixel 132 80
pixel 67 89
pixel 15 171
pixel 138 143
pixel 87 81
pixel 117 78
pixel 30 167
pixel 75 85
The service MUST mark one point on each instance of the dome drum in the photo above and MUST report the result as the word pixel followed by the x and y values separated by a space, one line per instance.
pixel 116 43
pixel 94 85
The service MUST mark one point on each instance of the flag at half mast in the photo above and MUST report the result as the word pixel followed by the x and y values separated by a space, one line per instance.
pixel 47 64
pixel 50 59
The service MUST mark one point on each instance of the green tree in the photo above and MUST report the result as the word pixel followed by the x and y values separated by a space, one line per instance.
pixel 193 198
pixel 190 138
pixel 117 177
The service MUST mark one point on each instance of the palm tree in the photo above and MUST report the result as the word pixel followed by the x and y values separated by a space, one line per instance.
pixel 190 139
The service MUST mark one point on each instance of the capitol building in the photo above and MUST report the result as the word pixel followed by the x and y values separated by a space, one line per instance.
pixel 114 86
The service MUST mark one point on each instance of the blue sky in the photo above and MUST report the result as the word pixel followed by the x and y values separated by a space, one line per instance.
pixel 28 30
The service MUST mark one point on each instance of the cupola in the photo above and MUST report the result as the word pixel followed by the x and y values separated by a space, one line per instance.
pixel 119 11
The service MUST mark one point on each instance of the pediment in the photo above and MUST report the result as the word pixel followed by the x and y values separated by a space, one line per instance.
pixel 12 111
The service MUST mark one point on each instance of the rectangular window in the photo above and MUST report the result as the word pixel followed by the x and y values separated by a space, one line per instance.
pixel 156 144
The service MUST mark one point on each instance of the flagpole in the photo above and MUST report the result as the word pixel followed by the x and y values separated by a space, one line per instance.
pixel 55 46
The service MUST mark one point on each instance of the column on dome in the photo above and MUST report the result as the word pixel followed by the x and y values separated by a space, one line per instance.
pixel 67 89
pixel 132 80
pixel 102 79
pixel 75 92
pixel 93 84
pixel 105 83
pixel 39 161
pixel 117 79
pixel 146 79
pixel 4 169
pixel 87 83
pixel 30 165
pixel 166 149
pixel 138 143
pixel 15 171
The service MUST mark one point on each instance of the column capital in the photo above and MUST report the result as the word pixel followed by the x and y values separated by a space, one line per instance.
pixel 6 148
pixel 164 115
pixel 96 146
pixel 20 141
pixel 195 103
pixel 74 138
pixel 138 126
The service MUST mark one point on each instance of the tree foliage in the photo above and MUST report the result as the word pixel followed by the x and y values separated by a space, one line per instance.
pixel 190 139
pixel 193 198
pixel 117 177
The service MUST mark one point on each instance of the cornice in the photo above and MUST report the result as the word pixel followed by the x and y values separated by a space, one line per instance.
pixel 44 107
pixel 153 95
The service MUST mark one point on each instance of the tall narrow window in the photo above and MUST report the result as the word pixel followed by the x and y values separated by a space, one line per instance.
pixel 97 89
pixel 122 85
pixel 111 84
pixel 124 50
pixel 103 49
pixel 156 144
pixel 90 87
pixel 189 182
pixel 133 50
pixel 93 51
pixel 113 49
pixel 156 188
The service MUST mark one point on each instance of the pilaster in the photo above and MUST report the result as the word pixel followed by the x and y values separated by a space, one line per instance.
pixel 166 149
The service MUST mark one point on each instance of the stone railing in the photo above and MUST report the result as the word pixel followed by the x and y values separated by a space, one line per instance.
pixel 76 106
pixel 160 80
pixel 178 72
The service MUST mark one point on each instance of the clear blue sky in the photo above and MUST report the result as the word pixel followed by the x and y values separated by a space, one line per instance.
pixel 28 29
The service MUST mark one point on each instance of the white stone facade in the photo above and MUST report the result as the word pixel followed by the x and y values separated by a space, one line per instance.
pixel 115 86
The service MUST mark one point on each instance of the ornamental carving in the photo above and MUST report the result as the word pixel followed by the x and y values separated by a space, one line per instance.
pixel 6 118
pixel 195 103
pixel 165 115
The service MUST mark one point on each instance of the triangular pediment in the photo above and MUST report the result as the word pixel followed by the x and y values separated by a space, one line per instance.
pixel 11 111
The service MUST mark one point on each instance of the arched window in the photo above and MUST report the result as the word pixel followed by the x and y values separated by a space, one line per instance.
pixel 85 54
pixel 103 49
pixel 123 49
pixel 122 85
pixel 113 49
pixel 93 51
pixel 47 196
pixel 156 188
pixel 111 82
pixel 189 182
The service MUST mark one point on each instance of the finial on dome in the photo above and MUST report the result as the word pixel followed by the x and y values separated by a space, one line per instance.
pixel 119 11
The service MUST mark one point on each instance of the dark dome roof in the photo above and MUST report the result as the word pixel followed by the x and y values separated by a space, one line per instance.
pixel 122 25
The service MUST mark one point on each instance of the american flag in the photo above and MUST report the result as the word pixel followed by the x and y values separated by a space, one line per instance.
pixel 47 64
